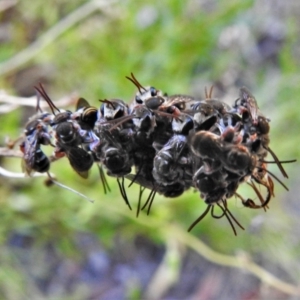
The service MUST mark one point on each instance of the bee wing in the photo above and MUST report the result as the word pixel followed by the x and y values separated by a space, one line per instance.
pixel 134 178
pixel 26 169
pixel 81 102
pixel 29 149
pixel 207 123
pixel 80 160
pixel 251 103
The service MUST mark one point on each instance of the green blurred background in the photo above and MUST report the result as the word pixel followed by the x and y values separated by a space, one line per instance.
pixel 56 245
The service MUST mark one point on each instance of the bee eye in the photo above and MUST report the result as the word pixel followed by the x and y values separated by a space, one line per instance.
pixel 102 109
pixel 153 91
pixel 182 106
pixel 138 100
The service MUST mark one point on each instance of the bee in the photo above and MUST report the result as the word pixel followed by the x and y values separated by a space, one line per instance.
pixel 115 158
pixel 247 102
pixel 173 164
pixel 170 191
pixel 256 127
pixel 114 149
pixel 69 136
pixel 86 117
pixel 113 109
pixel 85 114
pixel 68 141
pixel 205 144
pixel 59 116
pixel 149 96
pixel 205 113
pixel 34 158
pixel 36 134
pixel 181 101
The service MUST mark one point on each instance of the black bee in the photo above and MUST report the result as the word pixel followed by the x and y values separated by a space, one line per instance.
pixel 173 163
pixel 114 157
pixel 36 134
pixel 170 191
pixel 113 109
pixel 256 128
pixel 69 137
pixel 86 117
pixel 247 102
pixel 181 101
pixel 68 142
pixel 34 158
pixel 59 116
pixel 114 150
pixel 85 114
pixel 149 96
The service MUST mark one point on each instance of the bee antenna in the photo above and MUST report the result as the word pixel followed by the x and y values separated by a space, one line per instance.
pixel 162 113
pixel 217 217
pixel 103 179
pixel 136 82
pixel 205 92
pixel 200 218
pixel 122 120
pixel 232 216
pixel 38 107
pixel 108 102
pixel 264 202
pixel 123 191
pixel 208 95
pixel 227 217
pixel 274 176
pixel 281 161
pixel 277 161
pixel 269 186
pixel 43 93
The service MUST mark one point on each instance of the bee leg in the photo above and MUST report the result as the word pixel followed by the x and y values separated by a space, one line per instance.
pixel 200 218
pixel 217 217
pixel 151 197
pixel 227 217
pixel 274 176
pixel 149 200
pixel 278 162
pixel 231 215
pixel 260 197
pixel 123 191
pixel 103 179
pixel 142 189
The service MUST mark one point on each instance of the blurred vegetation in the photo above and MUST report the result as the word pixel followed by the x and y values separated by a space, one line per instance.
pixel 178 47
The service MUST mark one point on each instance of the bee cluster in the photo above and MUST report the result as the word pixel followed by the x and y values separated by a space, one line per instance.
pixel 172 142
